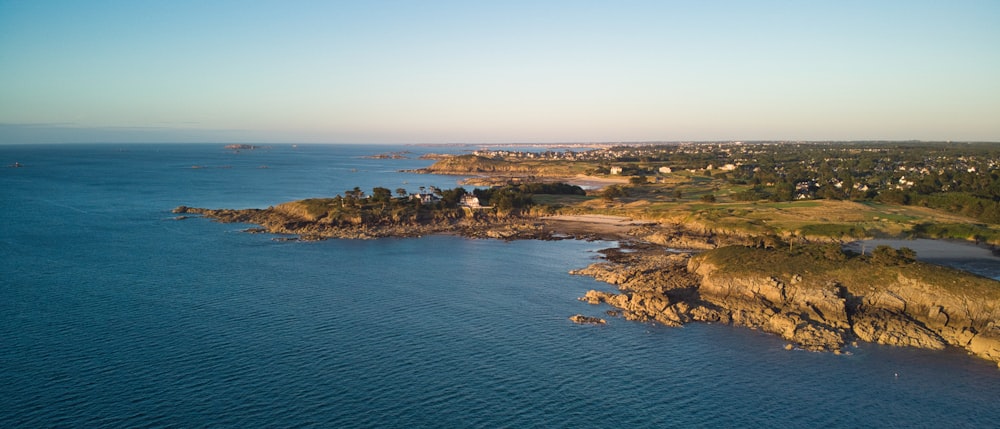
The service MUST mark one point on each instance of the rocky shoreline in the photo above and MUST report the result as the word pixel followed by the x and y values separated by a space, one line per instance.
pixel 275 220
pixel 812 309
pixel 289 222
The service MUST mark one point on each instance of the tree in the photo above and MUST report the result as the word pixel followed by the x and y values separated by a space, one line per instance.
pixel 451 197
pixel 401 192
pixel 381 194
pixel 355 193
pixel 783 191
pixel 894 196
pixel 611 192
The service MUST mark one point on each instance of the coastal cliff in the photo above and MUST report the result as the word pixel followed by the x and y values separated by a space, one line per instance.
pixel 817 298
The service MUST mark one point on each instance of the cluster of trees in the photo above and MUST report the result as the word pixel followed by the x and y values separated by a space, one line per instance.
pixel 511 197
pixel 981 202
pixel 505 198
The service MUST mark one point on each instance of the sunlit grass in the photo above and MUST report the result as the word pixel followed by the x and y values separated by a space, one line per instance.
pixel 678 198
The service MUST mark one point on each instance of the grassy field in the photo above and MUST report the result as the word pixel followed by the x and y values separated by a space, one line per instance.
pixel 680 197
pixel 825 264
pixel 708 202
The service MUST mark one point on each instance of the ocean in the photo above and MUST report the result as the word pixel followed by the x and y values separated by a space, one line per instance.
pixel 115 314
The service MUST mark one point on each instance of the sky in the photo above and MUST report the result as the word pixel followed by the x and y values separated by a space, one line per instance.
pixel 426 71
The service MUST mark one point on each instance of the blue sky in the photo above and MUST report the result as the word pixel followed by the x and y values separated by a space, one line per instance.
pixel 510 71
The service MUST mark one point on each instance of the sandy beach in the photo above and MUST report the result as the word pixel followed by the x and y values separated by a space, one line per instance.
pixel 593 182
pixel 597 226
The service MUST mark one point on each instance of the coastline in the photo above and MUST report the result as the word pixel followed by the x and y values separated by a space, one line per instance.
pixel 445 328
pixel 555 227
pixel 814 304
pixel 591 183
pixel 822 311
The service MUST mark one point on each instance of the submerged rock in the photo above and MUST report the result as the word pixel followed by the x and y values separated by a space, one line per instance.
pixel 587 320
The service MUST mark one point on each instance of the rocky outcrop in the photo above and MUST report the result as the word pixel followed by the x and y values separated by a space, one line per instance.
pixel 292 219
pixel 641 306
pixel 820 307
pixel 587 320
pixel 473 164
pixel 812 315
pixel 817 299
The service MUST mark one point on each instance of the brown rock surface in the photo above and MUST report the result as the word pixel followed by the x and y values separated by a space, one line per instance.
pixel 815 308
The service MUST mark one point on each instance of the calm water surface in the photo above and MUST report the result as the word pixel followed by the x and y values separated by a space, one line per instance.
pixel 114 314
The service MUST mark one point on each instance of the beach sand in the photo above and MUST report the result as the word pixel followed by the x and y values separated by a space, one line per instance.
pixel 593 182
pixel 596 226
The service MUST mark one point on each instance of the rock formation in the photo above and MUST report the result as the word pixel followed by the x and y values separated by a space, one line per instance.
pixel 816 304
pixel 814 296
pixel 587 320
pixel 292 219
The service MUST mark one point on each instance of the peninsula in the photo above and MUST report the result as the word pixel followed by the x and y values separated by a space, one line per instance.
pixel 764 226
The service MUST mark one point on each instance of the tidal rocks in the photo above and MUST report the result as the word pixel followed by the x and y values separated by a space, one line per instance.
pixel 639 307
pixel 587 320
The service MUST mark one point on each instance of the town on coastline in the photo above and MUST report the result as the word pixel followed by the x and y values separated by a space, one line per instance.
pixel 764 224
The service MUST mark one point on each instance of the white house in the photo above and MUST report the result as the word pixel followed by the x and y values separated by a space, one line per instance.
pixel 426 198
pixel 469 200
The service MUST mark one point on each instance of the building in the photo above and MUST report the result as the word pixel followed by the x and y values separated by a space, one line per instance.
pixel 426 198
pixel 469 200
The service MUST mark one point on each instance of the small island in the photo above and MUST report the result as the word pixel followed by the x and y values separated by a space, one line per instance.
pixel 239 147
pixel 390 155
pixel 762 225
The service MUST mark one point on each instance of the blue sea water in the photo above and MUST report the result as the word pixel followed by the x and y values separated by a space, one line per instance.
pixel 113 314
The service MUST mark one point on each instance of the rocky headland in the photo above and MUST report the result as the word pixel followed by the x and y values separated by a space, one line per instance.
pixel 472 164
pixel 818 298
pixel 815 295
pixel 292 220
pixel 301 220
